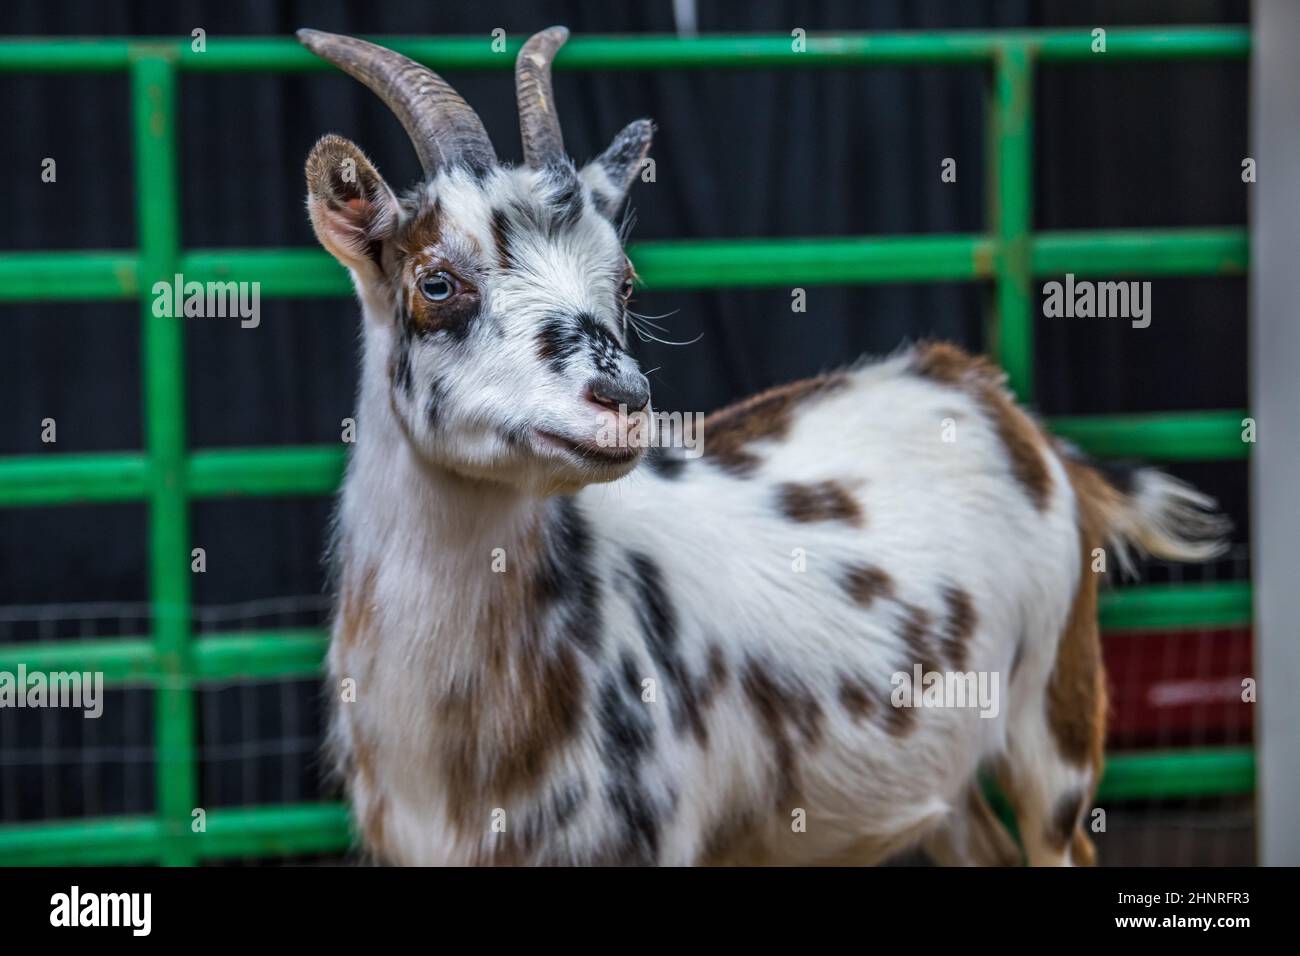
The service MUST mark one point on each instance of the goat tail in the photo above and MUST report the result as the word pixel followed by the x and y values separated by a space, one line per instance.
pixel 1144 510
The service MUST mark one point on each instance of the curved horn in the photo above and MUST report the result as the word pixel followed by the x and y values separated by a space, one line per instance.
pixel 539 126
pixel 443 128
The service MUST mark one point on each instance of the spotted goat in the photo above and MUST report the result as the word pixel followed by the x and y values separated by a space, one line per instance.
pixel 553 649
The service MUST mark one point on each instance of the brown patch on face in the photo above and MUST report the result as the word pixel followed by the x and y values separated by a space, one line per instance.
pixel 421 232
pixel 958 626
pixel 865 583
pixel 823 501
pixel 784 710
pixel 1021 437
pixel 1076 692
pixel 856 699
pixel 729 432
pixel 418 257
pixel 453 315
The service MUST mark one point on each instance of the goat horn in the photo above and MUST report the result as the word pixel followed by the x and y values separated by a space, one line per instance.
pixel 539 125
pixel 444 129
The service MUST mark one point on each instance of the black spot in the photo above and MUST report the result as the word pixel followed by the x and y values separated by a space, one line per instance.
pixel 478 166
pixel 566 202
pixel 785 709
pixel 557 342
pixel 456 317
pixel 600 342
pixel 561 337
pixel 518 436
pixel 627 739
pixel 665 462
pixel 546 817
pixel 567 578
pixel 503 235
pixel 658 620
pixel 402 356
pixel 566 802
pixel 432 404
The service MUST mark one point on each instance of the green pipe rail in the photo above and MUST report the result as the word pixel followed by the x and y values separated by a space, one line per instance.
pixel 168 476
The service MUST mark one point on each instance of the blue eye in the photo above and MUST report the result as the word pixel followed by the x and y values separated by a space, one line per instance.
pixel 438 287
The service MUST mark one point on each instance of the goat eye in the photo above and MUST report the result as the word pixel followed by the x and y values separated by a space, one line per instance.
pixel 438 287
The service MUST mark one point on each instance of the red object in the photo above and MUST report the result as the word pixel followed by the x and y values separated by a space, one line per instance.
pixel 1178 689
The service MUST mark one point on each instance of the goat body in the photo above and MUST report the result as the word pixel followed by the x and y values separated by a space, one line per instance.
pixel 696 663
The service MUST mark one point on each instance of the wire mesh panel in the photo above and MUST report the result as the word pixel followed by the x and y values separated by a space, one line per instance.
pixel 220 712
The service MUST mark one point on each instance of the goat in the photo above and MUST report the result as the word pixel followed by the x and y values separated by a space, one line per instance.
pixel 549 649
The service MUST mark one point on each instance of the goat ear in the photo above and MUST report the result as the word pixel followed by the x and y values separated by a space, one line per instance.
pixel 610 174
pixel 351 207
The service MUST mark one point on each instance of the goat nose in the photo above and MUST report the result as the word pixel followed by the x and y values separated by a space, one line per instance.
pixel 627 391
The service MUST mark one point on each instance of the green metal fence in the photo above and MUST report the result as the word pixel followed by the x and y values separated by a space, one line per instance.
pixel 168 475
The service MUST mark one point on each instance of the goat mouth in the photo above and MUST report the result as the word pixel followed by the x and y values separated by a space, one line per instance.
pixel 589 450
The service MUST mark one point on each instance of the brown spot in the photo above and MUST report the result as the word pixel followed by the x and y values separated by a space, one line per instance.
pixel 714 678
pixel 1082 852
pixel 729 432
pixel 421 232
pixel 515 713
pixel 1065 818
pixel 866 583
pixel 698 693
pixel 1076 692
pixel 856 699
pixel 899 721
pixel 1021 437
pixel 947 364
pixel 738 838
pixel 373 828
pixel 915 632
pixel 368 802
pixel 357 598
pixel 958 626
pixel 823 501
pixel 784 710
pixel 508 730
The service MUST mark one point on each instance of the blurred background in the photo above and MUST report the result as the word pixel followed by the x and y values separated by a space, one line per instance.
pixel 739 154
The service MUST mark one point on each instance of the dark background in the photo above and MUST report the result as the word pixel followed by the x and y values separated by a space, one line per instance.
pixel 745 153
